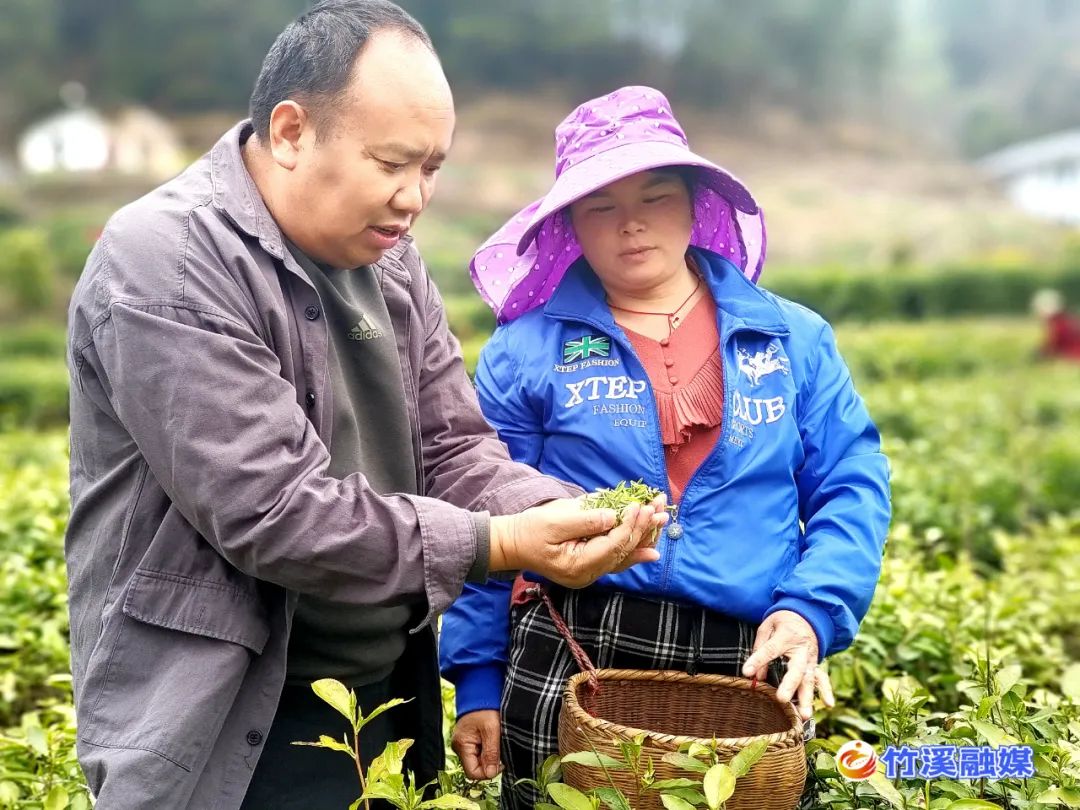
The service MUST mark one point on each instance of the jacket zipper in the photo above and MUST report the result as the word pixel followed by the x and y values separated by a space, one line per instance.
pixel 675 529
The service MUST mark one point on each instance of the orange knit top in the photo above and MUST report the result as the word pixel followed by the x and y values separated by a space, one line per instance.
pixel 687 378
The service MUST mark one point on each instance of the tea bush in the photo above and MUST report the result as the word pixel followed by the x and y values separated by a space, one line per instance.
pixel 972 638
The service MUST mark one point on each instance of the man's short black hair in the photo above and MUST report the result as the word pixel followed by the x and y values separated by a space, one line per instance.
pixel 311 59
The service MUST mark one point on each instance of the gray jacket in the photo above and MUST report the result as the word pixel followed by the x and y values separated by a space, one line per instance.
pixel 201 506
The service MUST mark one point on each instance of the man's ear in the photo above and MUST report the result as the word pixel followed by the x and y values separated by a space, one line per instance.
pixel 291 132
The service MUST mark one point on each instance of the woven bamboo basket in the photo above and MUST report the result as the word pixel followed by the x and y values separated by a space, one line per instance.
pixel 672 709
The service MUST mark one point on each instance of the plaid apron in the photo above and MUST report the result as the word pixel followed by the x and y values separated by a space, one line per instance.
pixel 615 630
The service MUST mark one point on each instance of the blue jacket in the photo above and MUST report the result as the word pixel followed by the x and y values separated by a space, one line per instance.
pixel 788 512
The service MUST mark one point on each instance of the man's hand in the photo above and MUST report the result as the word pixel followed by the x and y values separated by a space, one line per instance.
pixel 547 539
pixel 789 635
pixel 476 742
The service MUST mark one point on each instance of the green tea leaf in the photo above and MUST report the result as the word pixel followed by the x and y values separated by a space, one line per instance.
pixel 1070 682
pixel 36 739
pixel 994 735
pixel 986 705
pixel 334 693
pixel 1070 797
pixel 327 742
pixel 719 784
pixel 675 803
pixel 886 789
pixel 551 770
pixel 569 798
pixel 695 797
pixel 697 750
pixel 973 804
pixel 57 798
pixel 667 784
pixel 687 763
pixel 621 496
pixel 385 707
pixel 591 759
pixel 390 788
pixel 390 761
pixel 1007 678
pixel 611 797
pixel 743 761
pixel 9 793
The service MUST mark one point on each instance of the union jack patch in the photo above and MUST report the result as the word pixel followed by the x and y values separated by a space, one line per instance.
pixel 586 347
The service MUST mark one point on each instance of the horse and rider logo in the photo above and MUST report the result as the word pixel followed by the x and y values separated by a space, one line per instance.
pixel 761 364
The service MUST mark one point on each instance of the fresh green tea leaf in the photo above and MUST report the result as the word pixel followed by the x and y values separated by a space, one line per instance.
pixel 334 693
pixel 592 759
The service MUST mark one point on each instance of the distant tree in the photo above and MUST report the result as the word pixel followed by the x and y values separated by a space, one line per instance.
pixel 177 56
pixel 493 44
pixel 985 71
pixel 28 61
pixel 812 55
pixel 1013 66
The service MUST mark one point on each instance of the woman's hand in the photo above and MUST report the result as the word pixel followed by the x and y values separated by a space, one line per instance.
pixel 785 634
pixel 476 742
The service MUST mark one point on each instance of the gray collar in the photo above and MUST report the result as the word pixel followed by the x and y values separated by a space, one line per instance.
pixel 235 193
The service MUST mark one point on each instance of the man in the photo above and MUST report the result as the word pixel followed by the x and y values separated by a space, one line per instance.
pixel 278 468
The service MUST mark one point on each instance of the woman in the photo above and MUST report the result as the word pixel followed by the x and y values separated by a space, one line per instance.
pixel 634 344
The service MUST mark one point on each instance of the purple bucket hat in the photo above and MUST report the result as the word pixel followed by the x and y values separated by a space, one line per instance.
pixel 606 139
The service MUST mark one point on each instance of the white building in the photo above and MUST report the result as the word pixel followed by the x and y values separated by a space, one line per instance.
pixel 69 141
pixel 136 142
pixel 1041 176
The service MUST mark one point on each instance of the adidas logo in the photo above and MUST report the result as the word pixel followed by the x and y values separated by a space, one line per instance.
pixel 365 330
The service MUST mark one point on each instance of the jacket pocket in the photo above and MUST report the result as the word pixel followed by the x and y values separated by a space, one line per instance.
pixel 202 607
pixel 170 666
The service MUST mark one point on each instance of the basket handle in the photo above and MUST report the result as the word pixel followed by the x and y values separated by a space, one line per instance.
pixel 592 685
pixel 537 590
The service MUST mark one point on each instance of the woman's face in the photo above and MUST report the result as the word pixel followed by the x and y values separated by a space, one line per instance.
pixel 635 232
